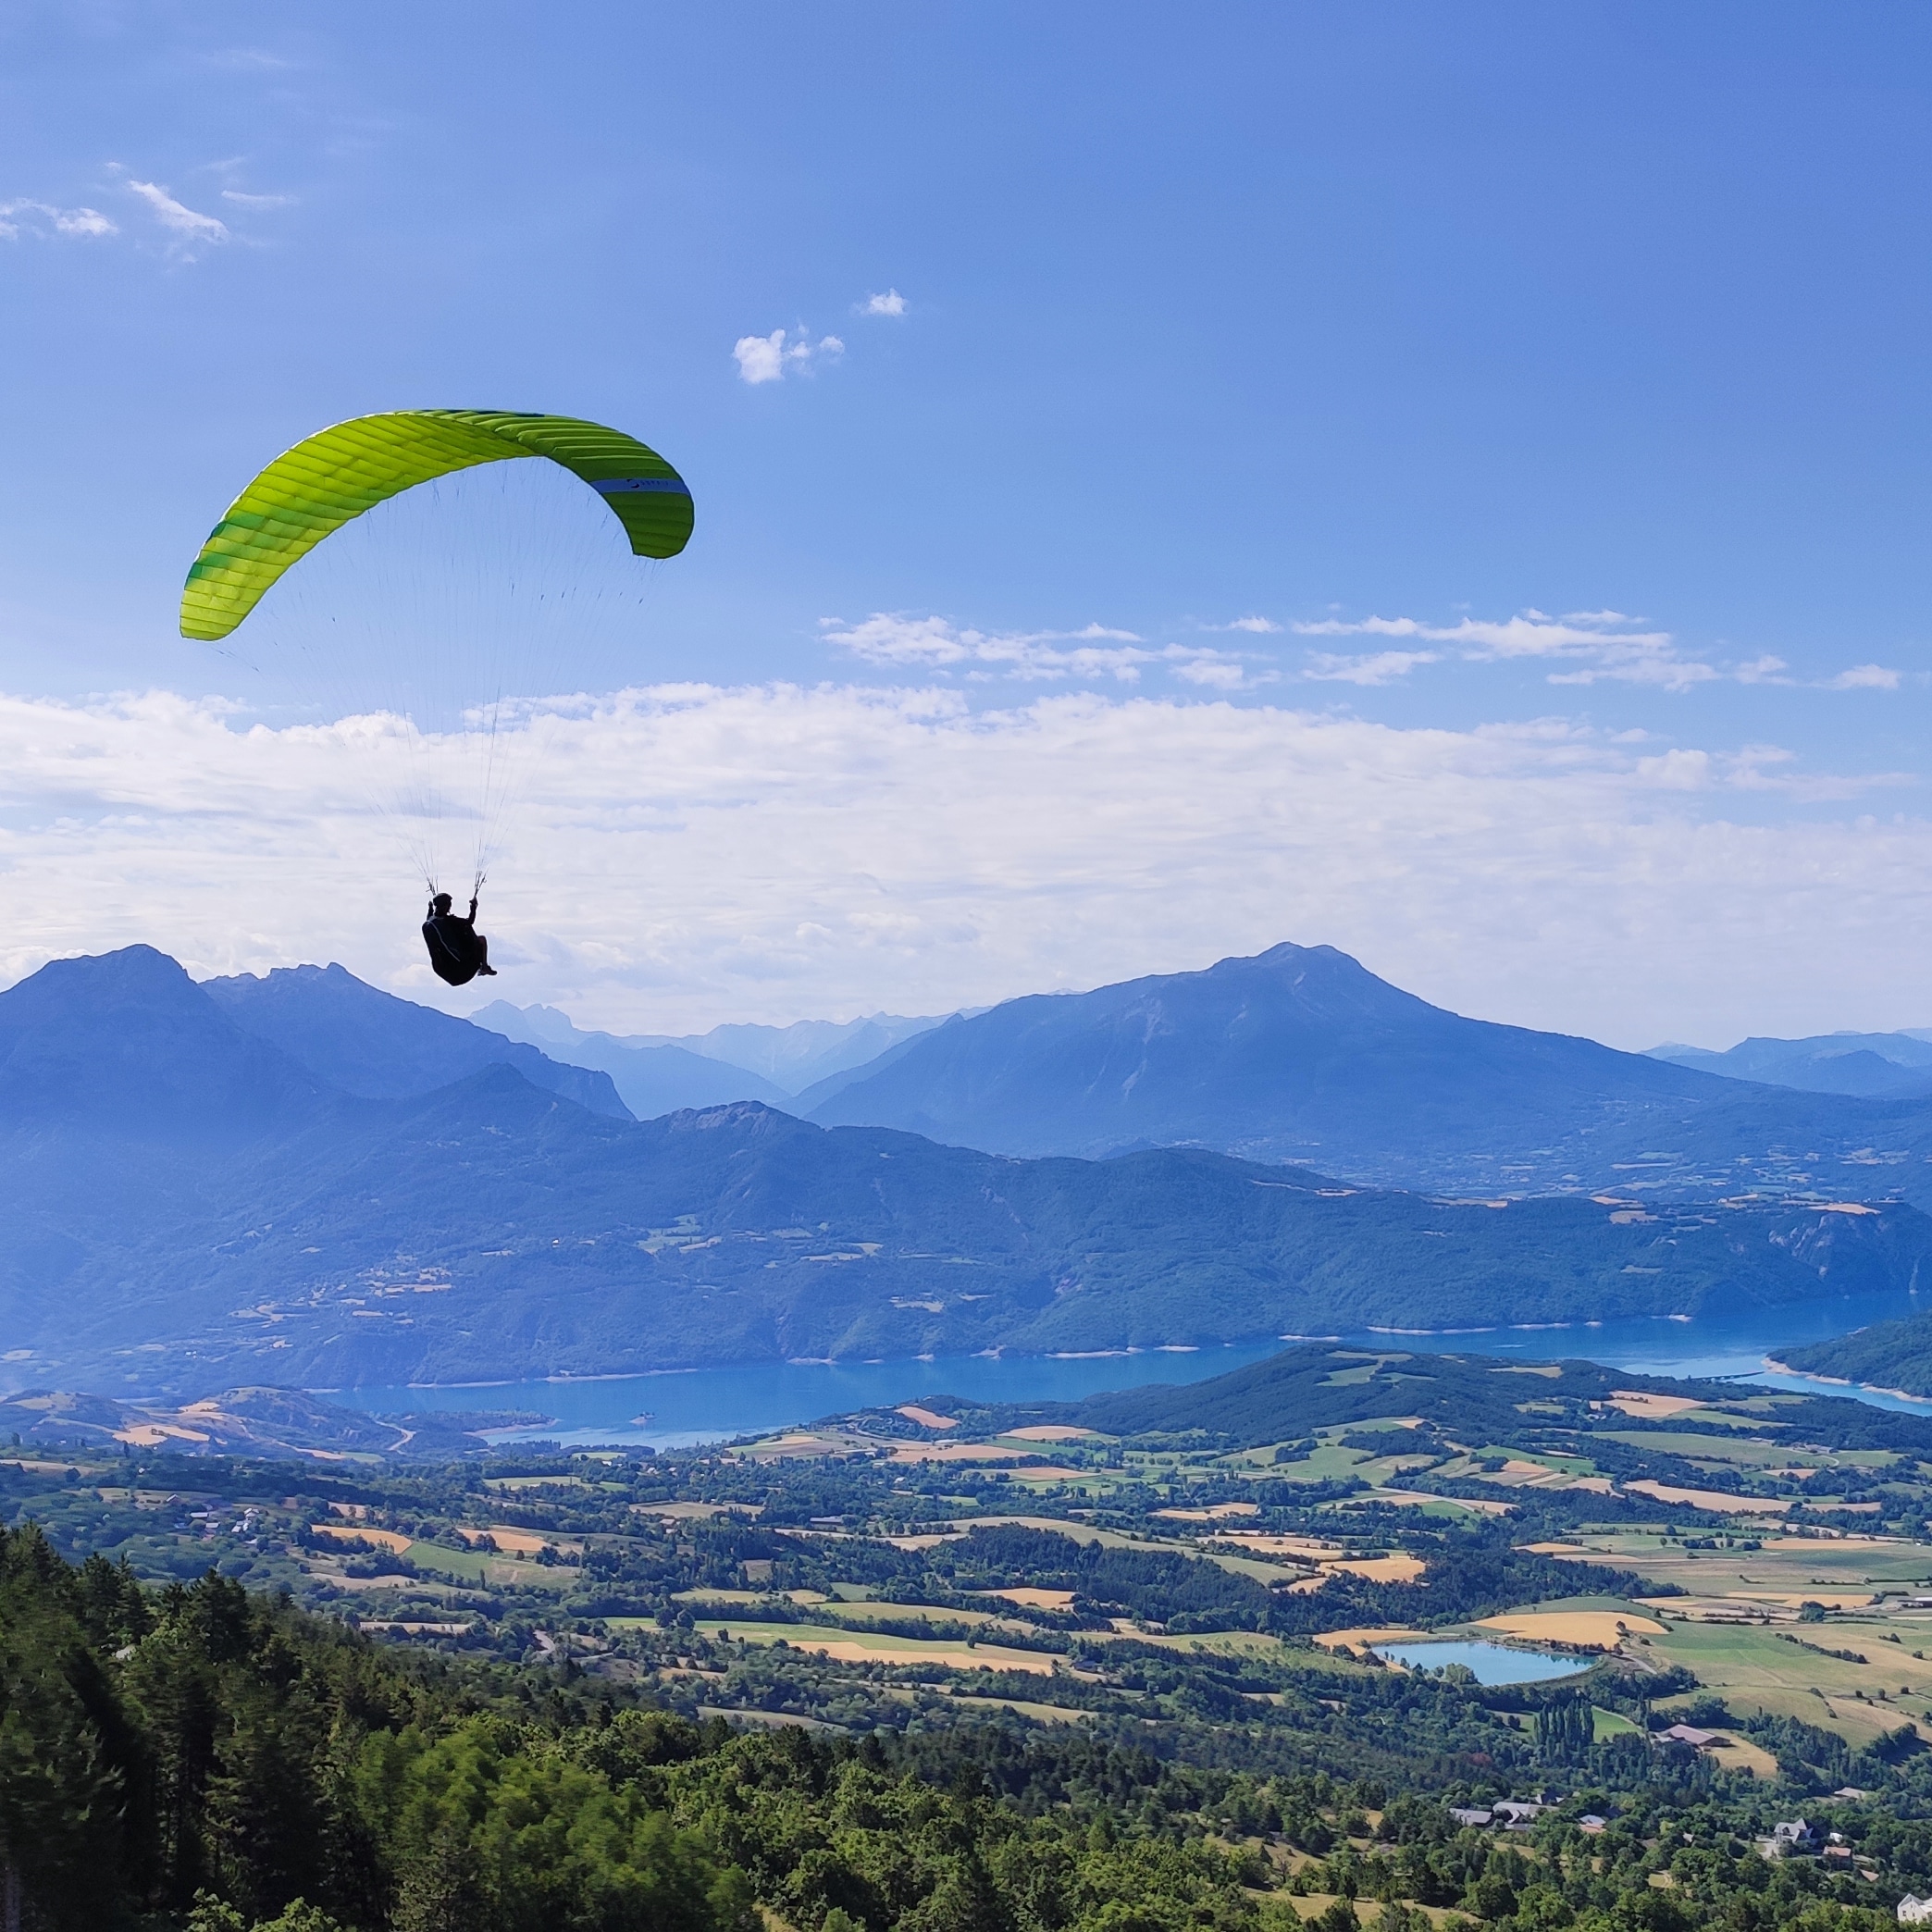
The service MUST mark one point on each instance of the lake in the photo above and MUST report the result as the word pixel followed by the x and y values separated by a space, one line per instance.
pixel 677 1410
pixel 1492 1663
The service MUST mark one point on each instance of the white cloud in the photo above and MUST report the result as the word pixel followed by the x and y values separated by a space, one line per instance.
pixel 1377 667
pixel 42 220
pixel 835 850
pixel 1214 669
pixel 768 358
pixel 1601 644
pixel 893 639
pixel 1260 627
pixel 189 229
pixel 257 201
pixel 890 304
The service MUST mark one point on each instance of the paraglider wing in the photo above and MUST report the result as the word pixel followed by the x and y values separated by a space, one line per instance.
pixel 332 478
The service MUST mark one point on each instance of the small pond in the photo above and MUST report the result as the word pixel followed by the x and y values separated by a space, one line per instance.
pixel 1492 1663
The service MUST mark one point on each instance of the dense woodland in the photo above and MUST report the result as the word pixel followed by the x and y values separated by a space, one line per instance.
pixel 206 1757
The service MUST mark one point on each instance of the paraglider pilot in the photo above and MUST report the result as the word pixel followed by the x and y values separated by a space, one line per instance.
pixel 457 950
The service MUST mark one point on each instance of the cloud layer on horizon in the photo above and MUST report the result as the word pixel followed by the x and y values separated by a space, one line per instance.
pixel 689 855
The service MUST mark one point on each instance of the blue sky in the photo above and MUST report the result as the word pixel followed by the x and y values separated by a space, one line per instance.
pixel 1455 351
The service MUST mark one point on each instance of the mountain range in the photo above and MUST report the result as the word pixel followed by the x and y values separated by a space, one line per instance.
pixel 188 1203
pixel 1302 1053
pixel 1894 1064
pixel 657 1073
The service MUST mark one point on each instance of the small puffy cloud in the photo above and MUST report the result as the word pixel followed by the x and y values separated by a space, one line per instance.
pixel 1763 670
pixel 1601 644
pixel 894 640
pixel 1218 670
pixel 1377 667
pixel 257 201
pixel 1865 677
pixel 890 304
pixel 771 358
pixel 1258 627
pixel 189 229
pixel 43 222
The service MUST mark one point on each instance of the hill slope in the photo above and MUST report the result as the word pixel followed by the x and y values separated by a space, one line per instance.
pixel 1302 1053
pixel 369 1043
pixel 1888 1355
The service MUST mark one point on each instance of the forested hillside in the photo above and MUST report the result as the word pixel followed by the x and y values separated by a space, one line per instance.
pixel 1888 1355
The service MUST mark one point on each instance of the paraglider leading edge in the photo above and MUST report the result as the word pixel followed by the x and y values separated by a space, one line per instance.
pixel 332 477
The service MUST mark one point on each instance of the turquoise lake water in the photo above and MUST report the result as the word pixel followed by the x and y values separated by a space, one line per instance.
pixel 1492 1663
pixel 677 1410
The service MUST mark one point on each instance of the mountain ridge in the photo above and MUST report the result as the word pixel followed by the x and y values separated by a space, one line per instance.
pixel 1301 1054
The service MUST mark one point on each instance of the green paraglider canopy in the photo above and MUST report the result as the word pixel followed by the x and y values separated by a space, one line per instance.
pixel 332 478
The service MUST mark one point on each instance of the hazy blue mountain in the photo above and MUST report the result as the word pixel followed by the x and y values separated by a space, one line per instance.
pixel 1302 1053
pixel 785 1059
pixel 1893 1064
pixel 797 1057
pixel 809 1100
pixel 1298 1053
pixel 654 1077
pixel 371 1043
pixel 493 1229
pixel 128 1045
pixel 185 1207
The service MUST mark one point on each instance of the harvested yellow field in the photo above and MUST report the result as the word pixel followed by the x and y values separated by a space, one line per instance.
pixel 925 1417
pixel 1258 1542
pixel 152 1435
pixel 1380 1569
pixel 1217 1513
pixel 516 1543
pixel 843 1648
pixel 1366 1638
pixel 359 1532
pixel 1605 1628
pixel 956 1452
pixel 1714 1501
pixel 1051 1474
pixel 1033 1598
pixel 1050 1433
pixel 1652 1409
pixel 1304 1549
pixel 1554 1549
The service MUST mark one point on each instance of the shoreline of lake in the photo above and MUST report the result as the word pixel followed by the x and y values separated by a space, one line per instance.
pixel 689 1406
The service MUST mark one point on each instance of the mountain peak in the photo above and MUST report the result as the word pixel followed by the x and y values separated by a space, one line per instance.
pixel 1298 1053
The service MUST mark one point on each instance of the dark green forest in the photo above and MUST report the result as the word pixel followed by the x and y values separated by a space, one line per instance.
pixel 206 1758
